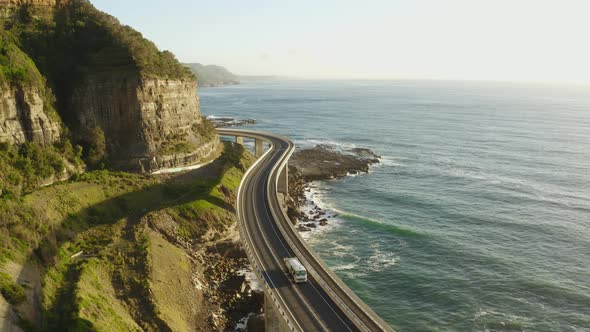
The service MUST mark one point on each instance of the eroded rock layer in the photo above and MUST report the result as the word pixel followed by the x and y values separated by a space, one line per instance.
pixel 23 118
pixel 108 80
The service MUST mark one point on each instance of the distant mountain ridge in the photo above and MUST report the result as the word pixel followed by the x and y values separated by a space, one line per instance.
pixel 212 75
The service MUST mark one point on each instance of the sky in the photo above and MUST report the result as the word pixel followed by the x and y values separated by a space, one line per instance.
pixel 505 40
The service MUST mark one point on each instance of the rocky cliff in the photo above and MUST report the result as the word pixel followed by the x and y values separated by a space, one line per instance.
pixel 106 77
pixel 23 117
pixel 151 123
pixel 26 113
pixel 110 251
pixel 35 8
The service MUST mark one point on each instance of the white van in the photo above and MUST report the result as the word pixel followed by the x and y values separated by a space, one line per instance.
pixel 296 269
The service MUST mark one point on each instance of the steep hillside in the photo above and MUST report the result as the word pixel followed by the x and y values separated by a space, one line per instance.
pixel 107 250
pixel 126 252
pixel 33 149
pixel 27 111
pixel 110 81
pixel 212 75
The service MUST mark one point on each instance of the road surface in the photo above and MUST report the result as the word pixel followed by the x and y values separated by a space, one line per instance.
pixel 323 303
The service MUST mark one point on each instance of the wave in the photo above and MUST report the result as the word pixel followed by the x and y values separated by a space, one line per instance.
pixel 344 267
pixel 548 291
pixel 250 277
pixel 317 196
pixel 380 261
pixel 392 229
pixel 533 191
pixel 392 161
pixel 337 145
pixel 488 319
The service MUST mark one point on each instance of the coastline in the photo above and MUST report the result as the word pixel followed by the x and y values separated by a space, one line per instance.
pixel 308 212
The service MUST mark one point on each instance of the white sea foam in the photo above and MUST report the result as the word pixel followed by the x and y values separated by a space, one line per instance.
pixel 485 316
pixel 380 261
pixel 338 146
pixel 391 161
pixel 341 248
pixel 242 324
pixel 344 267
pixel 251 278
pixel 318 194
pixel 315 197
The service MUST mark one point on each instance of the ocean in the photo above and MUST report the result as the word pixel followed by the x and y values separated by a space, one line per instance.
pixel 477 218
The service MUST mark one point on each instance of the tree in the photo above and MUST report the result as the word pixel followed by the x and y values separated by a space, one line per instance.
pixel 96 146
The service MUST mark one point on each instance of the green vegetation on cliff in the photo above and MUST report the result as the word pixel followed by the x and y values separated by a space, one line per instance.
pixel 78 38
pixel 15 66
pixel 12 292
pixel 17 70
pixel 24 168
pixel 98 239
pixel 72 52
pixel 89 253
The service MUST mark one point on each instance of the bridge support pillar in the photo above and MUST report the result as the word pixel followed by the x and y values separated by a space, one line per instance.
pixel 240 140
pixel 283 186
pixel 259 150
pixel 273 320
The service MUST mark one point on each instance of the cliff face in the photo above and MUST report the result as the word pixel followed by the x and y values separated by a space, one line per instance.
pixel 26 112
pixel 41 7
pixel 105 76
pixel 172 125
pixel 23 118
pixel 150 123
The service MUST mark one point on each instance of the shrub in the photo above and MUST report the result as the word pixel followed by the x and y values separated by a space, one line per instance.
pixel 206 129
pixel 12 292
pixel 96 146
pixel 22 169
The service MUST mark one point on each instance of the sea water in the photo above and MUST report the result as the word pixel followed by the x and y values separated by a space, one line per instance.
pixel 478 217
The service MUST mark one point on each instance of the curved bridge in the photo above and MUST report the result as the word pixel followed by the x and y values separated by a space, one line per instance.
pixel 324 303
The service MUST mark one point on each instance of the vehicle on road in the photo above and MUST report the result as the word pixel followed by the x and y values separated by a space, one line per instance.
pixel 296 269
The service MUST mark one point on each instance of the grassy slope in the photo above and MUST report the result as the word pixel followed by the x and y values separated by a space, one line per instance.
pixel 97 300
pixel 106 215
pixel 174 295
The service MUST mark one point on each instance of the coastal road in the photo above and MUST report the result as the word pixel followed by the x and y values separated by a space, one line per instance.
pixel 323 303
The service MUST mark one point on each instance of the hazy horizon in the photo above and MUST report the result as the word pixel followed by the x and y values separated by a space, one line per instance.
pixel 475 40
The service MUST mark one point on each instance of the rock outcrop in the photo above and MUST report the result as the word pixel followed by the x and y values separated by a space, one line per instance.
pixel 105 76
pixel 150 123
pixel 23 117
pixel 324 162
pixel 37 8
pixel 220 122
pixel 26 112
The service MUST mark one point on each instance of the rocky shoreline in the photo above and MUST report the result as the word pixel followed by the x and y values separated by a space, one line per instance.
pixel 320 163
pixel 220 122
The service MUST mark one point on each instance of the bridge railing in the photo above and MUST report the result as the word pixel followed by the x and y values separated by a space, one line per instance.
pixel 291 232
pixel 277 300
pixel 288 233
